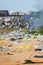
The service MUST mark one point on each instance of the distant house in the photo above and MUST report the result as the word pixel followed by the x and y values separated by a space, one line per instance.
pixel 21 13
pixel 4 13
pixel 13 13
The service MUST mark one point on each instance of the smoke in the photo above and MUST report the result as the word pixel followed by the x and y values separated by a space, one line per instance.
pixel 38 5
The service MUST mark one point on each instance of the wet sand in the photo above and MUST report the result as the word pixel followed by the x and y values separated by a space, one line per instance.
pixel 17 55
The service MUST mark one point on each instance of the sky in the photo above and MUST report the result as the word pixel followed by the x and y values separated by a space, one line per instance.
pixel 21 5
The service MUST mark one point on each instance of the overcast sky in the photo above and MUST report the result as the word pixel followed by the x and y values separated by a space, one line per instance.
pixel 21 5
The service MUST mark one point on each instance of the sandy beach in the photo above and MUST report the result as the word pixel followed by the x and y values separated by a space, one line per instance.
pixel 18 55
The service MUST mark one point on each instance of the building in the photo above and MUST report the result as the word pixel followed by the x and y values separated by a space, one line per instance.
pixel 11 13
pixel 4 13
pixel 21 13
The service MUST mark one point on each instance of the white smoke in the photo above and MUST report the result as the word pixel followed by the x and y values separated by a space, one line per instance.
pixel 38 4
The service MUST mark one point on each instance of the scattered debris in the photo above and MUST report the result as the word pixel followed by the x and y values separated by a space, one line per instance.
pixel 38 49
pixel 31 62
pixel 28 62
pixel 36 56
pixel 9 54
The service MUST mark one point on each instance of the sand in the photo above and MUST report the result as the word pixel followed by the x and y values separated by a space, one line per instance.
pixel 17 55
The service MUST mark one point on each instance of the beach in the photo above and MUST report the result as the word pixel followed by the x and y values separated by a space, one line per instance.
pixel 19 53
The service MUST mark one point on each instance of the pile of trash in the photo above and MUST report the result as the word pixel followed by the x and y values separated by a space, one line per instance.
pixel 19 34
